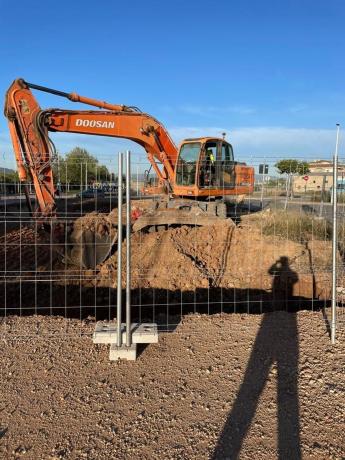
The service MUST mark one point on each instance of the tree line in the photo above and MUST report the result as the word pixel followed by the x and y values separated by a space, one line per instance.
pixel 289 166
pixel 79 166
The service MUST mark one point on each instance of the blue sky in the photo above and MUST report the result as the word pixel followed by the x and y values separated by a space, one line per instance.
pixel 269 73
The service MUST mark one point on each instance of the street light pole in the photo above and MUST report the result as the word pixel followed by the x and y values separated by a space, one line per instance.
pixel 334 241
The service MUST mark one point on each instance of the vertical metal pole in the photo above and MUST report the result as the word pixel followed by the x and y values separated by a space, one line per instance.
pixel 128 249
pixel 287 191
pixel 86 175
pixel 334 240
pixel 322 195
pixel 81 177
pixel 262 187
pixel 119 254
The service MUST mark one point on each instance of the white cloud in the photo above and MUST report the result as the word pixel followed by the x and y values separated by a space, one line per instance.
pixel 272 142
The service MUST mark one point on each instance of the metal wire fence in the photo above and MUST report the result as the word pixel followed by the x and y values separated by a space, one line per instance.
pixel 272 252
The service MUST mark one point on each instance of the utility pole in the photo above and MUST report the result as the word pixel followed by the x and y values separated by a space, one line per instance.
pixel 334 241
pixel 263 170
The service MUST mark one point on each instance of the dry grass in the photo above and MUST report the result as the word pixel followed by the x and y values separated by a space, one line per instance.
pixel 296 226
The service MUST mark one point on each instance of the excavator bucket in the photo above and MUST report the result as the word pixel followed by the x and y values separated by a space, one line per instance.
pixel 91 249
pixel 91 241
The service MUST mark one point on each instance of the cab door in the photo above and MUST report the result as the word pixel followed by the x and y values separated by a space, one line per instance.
pixel 226 165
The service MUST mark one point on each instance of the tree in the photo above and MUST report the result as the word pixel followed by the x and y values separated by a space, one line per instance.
pixel 103 173
pixel 8 181
pixel 291 167
pixel 288 166
pixel 9 177
pixel 79 166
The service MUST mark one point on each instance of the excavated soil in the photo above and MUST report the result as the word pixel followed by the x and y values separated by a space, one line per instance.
pixel 219 387
pixel 217 256
pixel 229 259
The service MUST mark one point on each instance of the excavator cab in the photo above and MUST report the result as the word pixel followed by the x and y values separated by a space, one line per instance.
pixel 205 164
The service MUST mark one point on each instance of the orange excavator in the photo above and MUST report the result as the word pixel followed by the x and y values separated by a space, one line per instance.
pixel 197 175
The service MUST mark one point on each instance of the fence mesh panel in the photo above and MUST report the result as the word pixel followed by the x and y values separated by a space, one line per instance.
pixel 272 252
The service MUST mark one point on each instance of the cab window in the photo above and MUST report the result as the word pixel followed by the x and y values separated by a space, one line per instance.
pixel 208 163
pixel 186 165
pixel 227 153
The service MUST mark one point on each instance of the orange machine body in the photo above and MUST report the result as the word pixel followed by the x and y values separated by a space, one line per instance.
pixel 29 127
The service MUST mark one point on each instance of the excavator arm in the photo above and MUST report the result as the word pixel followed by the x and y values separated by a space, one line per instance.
pixel 34 152
pixel 32 148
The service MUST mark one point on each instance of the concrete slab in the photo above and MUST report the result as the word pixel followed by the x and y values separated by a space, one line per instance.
pixel 128 353
pixel 106 332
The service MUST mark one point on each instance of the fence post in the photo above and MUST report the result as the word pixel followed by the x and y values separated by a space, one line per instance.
pixel 287 185
pixel 119 252
pixel 104 331
pixel 86 178
pixel 262 185
pixel 322 195
pixel 334 241
pixel 128 249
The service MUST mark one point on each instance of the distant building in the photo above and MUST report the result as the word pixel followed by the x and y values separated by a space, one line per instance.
pixel 320 177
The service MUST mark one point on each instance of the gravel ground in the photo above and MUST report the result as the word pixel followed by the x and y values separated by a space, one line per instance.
pixel 230 386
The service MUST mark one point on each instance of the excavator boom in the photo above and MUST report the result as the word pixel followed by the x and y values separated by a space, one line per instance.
pixel 34 152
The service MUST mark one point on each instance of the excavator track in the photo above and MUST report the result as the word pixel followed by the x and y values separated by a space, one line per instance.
pixel 181 212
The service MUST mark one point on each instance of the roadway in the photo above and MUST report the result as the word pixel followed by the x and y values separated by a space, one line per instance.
pixel 251 204
pixel 325 210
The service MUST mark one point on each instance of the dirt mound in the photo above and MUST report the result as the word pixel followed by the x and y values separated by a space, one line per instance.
pixel 24 250
pixel 156 262
pixel 230 259
pixel 221 256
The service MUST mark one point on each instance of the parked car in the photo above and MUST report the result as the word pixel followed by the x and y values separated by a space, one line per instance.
pixel 91 193
pixel 340 189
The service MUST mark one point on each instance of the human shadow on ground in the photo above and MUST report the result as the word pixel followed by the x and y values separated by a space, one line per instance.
pixel 276 344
